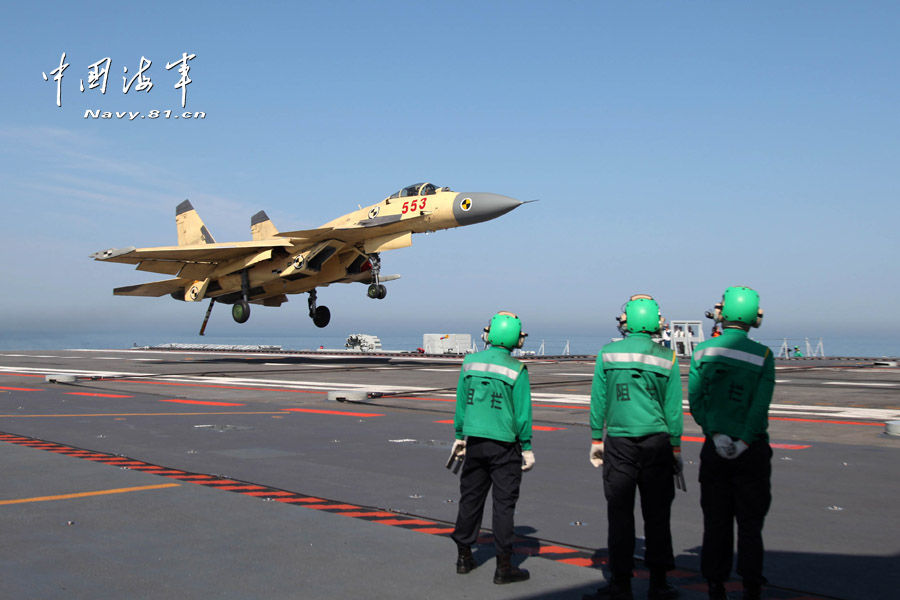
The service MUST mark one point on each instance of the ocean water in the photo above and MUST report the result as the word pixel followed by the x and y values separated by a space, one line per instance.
pixel 837 345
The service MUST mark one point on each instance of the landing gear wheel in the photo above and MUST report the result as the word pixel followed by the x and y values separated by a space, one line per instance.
pixel 382 292
pixel 322 316
pixel 240 311
pixel 377 291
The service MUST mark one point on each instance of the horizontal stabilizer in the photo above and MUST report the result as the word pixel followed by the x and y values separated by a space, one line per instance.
pixel 153 289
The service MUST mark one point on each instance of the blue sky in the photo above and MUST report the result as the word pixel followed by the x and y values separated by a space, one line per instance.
pixel 676 148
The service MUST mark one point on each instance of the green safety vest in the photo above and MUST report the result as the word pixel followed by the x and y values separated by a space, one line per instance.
pixel 730 386
pixel 493 398
pixel 636 390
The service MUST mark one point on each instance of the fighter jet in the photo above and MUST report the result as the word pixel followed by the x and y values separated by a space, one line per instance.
pixel 272 265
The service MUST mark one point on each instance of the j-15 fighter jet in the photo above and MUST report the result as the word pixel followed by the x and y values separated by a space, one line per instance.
pixel 272 265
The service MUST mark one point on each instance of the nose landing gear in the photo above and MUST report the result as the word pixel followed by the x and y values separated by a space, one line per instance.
pixel 376 290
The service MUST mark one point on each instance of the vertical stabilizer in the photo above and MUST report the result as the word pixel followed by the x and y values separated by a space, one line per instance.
pixel 191 230
pixel 261 227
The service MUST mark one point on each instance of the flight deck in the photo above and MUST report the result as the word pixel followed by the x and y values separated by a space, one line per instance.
pixel 178 473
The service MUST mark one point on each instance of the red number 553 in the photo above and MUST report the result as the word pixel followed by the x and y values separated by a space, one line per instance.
pixel 414 205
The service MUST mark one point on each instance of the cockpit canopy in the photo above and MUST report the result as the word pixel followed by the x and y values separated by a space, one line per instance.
pixel 418 189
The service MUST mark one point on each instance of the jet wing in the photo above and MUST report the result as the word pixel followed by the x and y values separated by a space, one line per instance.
pixel 200 253
pixel 155 289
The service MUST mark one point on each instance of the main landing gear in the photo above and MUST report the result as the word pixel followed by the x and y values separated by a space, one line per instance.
pixel 320 315
pixel 240 311
pixel 376 290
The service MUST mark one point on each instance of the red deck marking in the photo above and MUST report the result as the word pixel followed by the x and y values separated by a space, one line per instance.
pixel 334 506
pixel 372 513
pixel 204 402
pixel 333 412
pixel 98 395
pixel 168 473
pixel 291 500
pixel 543 549
pixel 17 389
pixel 269 493
pixel 435 530
pixel 581 562
pixel 404 522
pixel 447 421
pixel 218 387
pixel 217 482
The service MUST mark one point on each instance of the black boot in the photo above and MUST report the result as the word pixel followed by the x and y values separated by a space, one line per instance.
pixel 464 560
pixel 659 587
pixel 717 591
pixel 615 590
pixel 506 572
pixel 752 591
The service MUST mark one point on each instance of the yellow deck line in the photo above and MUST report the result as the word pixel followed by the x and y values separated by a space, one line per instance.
pixel 87 494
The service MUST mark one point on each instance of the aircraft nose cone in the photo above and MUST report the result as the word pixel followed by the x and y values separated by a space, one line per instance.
pixel 475 207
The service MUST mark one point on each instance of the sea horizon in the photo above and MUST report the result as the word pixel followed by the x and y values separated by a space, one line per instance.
pixel 553 345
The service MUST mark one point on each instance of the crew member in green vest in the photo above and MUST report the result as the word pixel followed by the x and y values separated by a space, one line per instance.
pixel 493 433
pixel 729 388
pixel 636 395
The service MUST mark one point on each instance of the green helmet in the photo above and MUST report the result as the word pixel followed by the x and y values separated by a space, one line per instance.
pixel 642 315
pixel 741 304
pixel 505 329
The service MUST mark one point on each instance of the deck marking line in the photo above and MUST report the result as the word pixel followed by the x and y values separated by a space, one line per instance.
pixel 204 402
pixel 333 412
pixel 88 494
pixel 583 557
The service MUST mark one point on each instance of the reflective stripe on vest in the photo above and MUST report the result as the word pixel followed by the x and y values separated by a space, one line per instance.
pixel 491 368
pixel 637 357
pixel 740 355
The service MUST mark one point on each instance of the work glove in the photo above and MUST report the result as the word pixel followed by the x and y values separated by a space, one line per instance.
pixel 596 454
pixel 459 448
pixel 724 445
pixel 527 460
pixel 739 447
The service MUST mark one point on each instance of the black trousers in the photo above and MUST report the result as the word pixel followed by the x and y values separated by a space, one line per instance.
pixel 739 490
pixel 645 463
pixel 489 463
